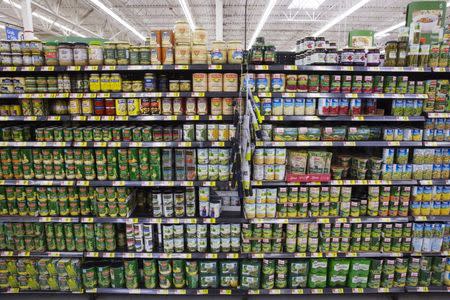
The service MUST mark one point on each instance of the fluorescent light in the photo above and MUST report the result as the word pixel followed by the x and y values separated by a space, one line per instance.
pixel 384 32
pixel 341 17
pixel 305 4
pixel 187 13
pixel 2 26
pixel 118 19
pixel 261 23
pixel 48 20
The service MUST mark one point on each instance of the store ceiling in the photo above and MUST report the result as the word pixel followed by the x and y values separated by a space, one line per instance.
pixel 283 27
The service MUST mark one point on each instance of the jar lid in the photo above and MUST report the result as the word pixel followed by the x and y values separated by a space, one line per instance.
pixel 218 42
pixel 51 43
pixel 80 44
pixel 391 42
pixel 66 44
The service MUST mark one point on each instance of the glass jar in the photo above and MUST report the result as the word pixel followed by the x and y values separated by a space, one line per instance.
pixel 257 54
pixel 35 46
pixel 16 59
pixel 270 55
pixel 319 42
pixel 390 57
pixel 27 60
pixel 105 83
pixel 25 47
pixel 182 32
pixel 51 53
pixel 218 52
pixel 109 53
pixel 137 86
pixel 94 83
pixel 199 54
pixel 134 55
pixel 402 48
pixel 5 46
pixel 320 56
pixel 122 53
pixel 37 60
pixel 174 85
pixel 331 57
pixel 182 54
pixel 115 82
pixel 185 85
pixel 199 36
pixel 149 82
pixel 16 47
pixel 144 55
pixel 65 54
pixel 235 52
pixel 95 53
pixel 80 54
pixel 359 57
pixel 373 57
pixel 347 56
pixel 309 43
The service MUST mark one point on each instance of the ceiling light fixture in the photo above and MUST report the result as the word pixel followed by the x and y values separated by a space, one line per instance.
pixel 117 18
pixel 384 32
pixel 261 23
pixel 305 4
pixel 341 17
pixel 187 13
pixel 48 20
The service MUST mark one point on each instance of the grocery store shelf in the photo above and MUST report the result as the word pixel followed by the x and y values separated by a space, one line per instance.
pixel 223 219
pixel 342 95
pixel 116 118
pixel 340 68
pixel 326 291
pixel 38 292
pixel 166 291
pixel 15 219
pixel 152 144
pixel 336 182
pixel 339 144
pixel 441 69
pixel 345 118
pixel 438 115
pixel 196 67
pixel 431 218
pixel 164 255
pixel 436 144
pixel 39 182
pixel 119 95
pixel 35 144
pixel 40 254
pixel 112 183
pixel 326 254
pixel 326 220
pixel 150 183
pixel 434 182
pixel 431 289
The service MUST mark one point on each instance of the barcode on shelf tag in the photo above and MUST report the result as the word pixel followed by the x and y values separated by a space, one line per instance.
pixel 225 292
pixel 337 291
pixel 274 292
pixel 202 292
pixel 215 67
pixel 357 290
pixel 316 291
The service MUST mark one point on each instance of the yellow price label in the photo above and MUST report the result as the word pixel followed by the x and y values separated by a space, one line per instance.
pixel 297 292
pixel 54 254
pixel 357 290
pixel 383 290
pixel 92 254
pixel 215 67
pixel 172 94
pixel 258 255
pixel 262 67
pixel 134 291
pixel 225 292
pixel 91 68
pixel 180 292
pixel 109 68
pixel 87 220
pixel 232 255
pixel 317 291
pixel 331 254
pixel 202 292
pixel 350 144
pixel 351 254
pixel 323 220
pixel 254 292
pixel 337 291
pixel 288 95
pixel 299 255
pixel 181 67
pixel 198 94
pixel 290 67
pixel 318 254
pixel 275 292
